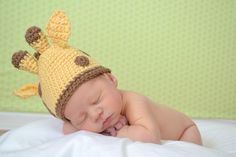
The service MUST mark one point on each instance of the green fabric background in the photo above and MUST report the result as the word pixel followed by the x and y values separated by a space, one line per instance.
pixel 179 53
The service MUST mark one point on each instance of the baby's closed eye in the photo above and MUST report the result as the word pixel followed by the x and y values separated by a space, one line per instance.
pixel 97 99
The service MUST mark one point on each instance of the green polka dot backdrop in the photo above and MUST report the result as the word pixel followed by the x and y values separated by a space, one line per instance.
pixel 179 53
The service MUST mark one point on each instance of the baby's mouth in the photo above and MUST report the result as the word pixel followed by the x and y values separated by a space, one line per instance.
pixel 107 122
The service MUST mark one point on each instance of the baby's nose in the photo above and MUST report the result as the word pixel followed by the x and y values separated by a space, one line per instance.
pixel 96 113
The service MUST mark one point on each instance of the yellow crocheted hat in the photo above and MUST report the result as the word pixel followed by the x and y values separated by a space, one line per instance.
pixel 60 68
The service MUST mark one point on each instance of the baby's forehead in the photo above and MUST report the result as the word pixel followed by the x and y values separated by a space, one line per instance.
pixel 94 81
pixel 89 87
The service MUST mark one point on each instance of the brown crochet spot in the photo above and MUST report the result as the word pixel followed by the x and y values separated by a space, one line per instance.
pixel 39 90
pixel 17 57
pixel 32 34
pixel 82 61
pixel 36 55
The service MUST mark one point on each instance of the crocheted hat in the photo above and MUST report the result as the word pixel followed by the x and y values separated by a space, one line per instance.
pixel 61 69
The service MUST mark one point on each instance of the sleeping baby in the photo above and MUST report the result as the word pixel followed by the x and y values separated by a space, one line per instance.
pixel 98 105
pixel 84 94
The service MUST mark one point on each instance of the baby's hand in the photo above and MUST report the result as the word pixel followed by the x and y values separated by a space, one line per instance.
pixel 122 121
pixel 112 131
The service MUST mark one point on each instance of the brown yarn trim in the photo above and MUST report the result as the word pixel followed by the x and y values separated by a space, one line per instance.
pixel 36 55
pixel 73 85
pixel 17 57
pixel 39 90
pixel 32 34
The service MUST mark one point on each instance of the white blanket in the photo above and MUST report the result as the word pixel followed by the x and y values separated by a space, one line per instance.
pixel 44 138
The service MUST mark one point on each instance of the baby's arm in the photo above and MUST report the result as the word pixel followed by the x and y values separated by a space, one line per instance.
pixel 143 125
pixel 140 132
pixel 112 131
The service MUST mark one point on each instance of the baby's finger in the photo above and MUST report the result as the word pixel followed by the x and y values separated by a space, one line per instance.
pixel 113 132
pixel 110 129
pixel 118 126
pixel 123 120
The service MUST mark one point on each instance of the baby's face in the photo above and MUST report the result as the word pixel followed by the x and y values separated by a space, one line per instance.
pixel 96 105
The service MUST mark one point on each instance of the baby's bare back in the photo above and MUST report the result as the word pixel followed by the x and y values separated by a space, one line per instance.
pixel 171 123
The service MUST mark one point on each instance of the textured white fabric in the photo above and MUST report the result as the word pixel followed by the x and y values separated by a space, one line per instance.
pixel 44 138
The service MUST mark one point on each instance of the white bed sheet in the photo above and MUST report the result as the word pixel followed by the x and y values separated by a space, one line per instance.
pixel 44 138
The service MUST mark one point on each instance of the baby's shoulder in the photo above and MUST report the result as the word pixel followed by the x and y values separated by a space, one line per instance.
pixel 136 101
pixel 137 106
pixel 132 97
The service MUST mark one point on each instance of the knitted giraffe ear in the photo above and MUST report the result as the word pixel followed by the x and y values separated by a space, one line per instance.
pixel 27 90
pixel 58 29
pixel 24 61
pixel 36 39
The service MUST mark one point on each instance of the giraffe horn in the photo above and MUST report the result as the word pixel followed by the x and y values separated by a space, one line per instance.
pixel 24 61
pixel 36 39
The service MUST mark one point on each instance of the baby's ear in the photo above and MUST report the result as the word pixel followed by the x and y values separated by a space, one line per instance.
pixel 112 78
